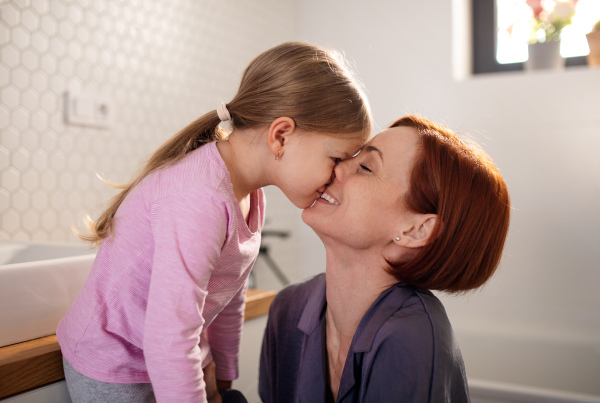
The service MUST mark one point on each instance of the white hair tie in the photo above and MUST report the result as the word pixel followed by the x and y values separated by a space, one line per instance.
pixel 223 112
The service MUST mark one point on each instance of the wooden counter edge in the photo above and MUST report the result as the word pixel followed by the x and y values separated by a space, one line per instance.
pixel 38 362
pixel 258 303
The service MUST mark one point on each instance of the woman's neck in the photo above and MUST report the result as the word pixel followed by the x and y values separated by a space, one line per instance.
pixel 354 281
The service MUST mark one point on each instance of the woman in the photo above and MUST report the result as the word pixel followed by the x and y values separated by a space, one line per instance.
pixel 417 210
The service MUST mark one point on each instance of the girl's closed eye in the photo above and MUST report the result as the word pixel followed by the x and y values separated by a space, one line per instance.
pixel 337 160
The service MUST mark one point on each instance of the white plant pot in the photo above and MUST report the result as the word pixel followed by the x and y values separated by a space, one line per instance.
pixel 545 56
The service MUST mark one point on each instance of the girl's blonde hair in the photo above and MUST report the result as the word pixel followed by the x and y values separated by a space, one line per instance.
pixel 310 84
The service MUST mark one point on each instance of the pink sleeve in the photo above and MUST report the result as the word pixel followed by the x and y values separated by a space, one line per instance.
pixel 189 231
pixel 225 334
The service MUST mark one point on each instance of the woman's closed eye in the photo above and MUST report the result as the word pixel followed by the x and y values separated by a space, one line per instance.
pixel 365 168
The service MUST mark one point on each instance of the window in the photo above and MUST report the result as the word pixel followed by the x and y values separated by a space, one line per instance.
pixel 502 28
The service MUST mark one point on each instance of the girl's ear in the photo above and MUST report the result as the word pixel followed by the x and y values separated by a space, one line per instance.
pixel 417 233
pixel 278 134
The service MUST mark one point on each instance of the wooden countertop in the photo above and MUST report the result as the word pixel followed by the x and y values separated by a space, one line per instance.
pixel 34 363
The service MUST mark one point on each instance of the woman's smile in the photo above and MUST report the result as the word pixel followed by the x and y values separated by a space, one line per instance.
pixel 328 198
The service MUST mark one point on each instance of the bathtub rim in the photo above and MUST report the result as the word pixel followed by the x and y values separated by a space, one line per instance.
pixel 10 249
pixel 525 394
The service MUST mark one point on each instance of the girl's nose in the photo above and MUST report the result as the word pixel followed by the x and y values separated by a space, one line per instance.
pixel 329 182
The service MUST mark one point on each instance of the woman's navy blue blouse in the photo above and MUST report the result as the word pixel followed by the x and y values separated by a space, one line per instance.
pixel 403 350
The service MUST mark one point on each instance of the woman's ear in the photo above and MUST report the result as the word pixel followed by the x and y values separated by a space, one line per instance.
pixel 417 233
pixel 278 134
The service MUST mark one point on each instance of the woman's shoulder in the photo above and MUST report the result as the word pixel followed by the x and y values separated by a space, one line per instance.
pixel 418 329
pixel 421 328
pixel 421 317
pixel 416 344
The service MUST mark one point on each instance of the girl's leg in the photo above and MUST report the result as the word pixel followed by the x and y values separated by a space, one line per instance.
pixel 86 390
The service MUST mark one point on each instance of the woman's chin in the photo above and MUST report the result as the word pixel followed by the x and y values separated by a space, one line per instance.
pixel 313 216
pixel 308 215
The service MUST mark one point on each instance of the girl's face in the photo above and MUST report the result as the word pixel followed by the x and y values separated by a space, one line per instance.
pixel 306 167
pixel 363 207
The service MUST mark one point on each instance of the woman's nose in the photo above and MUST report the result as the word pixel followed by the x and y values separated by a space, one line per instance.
pixel 340 170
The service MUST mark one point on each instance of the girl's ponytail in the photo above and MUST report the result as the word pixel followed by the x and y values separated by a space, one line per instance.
pixel 203 130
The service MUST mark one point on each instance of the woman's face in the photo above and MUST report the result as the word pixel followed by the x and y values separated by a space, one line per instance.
pixel 363 207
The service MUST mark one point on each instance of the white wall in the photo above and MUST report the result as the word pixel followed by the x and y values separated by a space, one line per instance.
pixel 542 129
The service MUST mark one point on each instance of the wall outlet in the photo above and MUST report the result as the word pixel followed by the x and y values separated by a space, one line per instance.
pixel 88 109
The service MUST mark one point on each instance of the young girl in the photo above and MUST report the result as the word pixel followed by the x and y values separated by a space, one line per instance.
pixel 178 243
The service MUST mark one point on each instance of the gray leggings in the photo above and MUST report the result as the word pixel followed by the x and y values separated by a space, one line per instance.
pixel 86 390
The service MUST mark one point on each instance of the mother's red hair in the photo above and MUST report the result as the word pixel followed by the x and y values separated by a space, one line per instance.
pixel 457 181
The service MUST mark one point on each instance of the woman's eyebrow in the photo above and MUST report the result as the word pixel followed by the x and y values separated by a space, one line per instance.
pixel 375 149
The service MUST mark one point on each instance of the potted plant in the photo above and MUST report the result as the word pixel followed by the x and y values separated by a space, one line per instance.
pixel 550 17
pixel 593 39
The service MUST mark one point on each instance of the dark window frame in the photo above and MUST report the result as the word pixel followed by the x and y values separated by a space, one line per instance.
pixel 483 24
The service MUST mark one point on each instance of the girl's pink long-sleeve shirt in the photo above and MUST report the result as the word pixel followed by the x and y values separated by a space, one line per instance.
pixel 173 275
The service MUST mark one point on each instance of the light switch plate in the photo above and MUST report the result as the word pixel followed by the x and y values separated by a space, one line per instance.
pixel 88 109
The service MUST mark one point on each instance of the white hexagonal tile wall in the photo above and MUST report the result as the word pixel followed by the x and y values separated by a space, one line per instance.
pixel 20 159
pixel 30 221
pixel 30 20
pixel 10 179
pixel 39 201
pixel 4 34
pixel 29 180
pixel 20 37
pixel 20 201
pixel 11 221
pixel 161 66
pixel 4 76
pixel 10 97
pixel 4 200
pixel 11 14
pixel 4 119
pixel 39 160
pixel 39 42
pixel 49 181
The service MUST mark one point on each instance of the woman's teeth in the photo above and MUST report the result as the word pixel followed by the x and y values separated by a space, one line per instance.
pixel 329 199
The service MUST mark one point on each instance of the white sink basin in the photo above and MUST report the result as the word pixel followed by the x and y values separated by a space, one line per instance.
pixel 38 283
